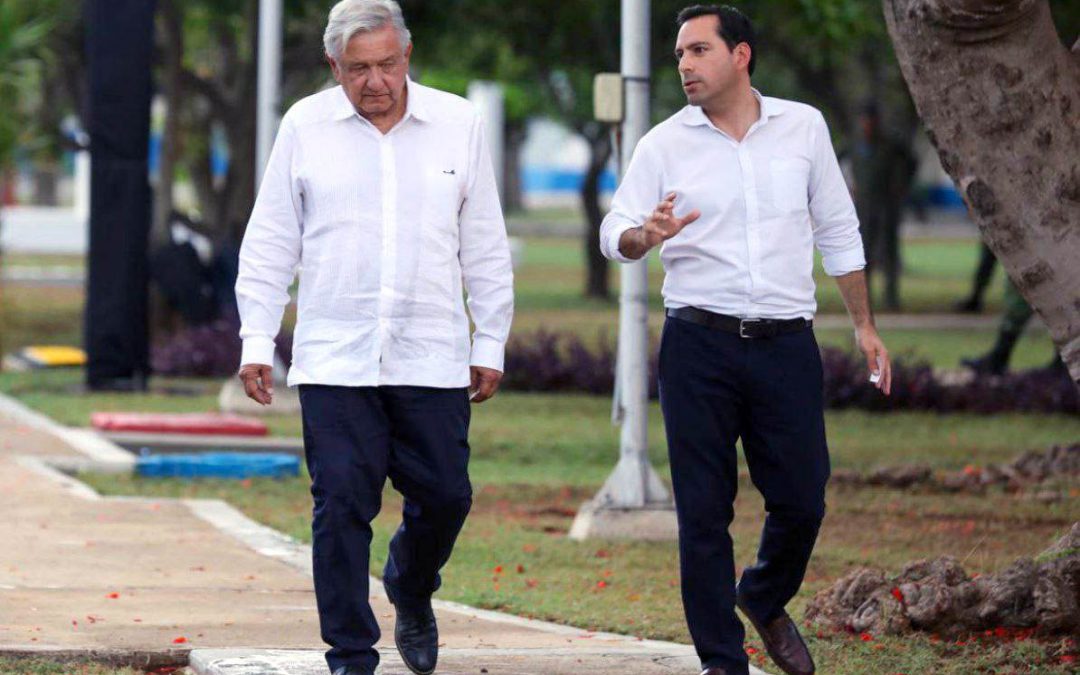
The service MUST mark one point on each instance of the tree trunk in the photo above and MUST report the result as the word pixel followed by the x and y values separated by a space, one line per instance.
pixel 172 34
pixel 1000 97
pixel 596 283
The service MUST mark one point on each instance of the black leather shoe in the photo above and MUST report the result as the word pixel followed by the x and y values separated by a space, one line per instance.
pixel 352 670
pixel 782 642
pixel 416 635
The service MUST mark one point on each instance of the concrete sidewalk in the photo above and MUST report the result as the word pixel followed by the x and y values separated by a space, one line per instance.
pixel 147 580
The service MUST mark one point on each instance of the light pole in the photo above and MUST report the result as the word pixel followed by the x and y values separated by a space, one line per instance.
pixel 633 502
pixel 268 97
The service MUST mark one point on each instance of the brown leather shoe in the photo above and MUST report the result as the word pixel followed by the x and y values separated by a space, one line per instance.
pixel 714 671
pixel 783 643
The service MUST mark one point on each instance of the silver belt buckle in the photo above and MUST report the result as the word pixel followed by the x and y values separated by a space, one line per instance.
pixel 742 326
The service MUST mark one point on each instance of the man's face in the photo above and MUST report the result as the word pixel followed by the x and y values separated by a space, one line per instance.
pixel 706 65
pixel 372 70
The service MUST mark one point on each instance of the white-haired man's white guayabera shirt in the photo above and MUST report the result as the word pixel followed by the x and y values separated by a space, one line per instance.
pixel 388 231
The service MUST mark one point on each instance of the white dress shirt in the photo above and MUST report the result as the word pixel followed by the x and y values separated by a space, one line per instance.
pixel 765 202
pixel 385 230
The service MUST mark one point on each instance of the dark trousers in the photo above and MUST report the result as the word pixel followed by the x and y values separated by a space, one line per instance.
pixel 354 437
pixel 715 388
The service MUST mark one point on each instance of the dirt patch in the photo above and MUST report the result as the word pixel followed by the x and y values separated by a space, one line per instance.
pixel 937 595
pixel 1030 470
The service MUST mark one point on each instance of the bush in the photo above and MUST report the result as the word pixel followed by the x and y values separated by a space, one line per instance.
pixel 562 362
pixel 210 350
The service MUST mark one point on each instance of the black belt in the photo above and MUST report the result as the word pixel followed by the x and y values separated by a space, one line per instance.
pixel 744 328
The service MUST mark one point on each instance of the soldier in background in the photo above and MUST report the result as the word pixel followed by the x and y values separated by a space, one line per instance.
pixel 883 168
pixel 1014 319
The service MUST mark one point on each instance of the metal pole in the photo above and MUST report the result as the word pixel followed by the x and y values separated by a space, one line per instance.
pixel 268 98
pixel 645 486
pixel 633 503
pixel 634 484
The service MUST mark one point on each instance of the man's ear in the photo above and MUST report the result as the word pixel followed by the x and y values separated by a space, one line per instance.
pixel 333 67
pixel 743 54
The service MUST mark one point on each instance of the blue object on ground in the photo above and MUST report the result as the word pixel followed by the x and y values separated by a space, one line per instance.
pixel 219 465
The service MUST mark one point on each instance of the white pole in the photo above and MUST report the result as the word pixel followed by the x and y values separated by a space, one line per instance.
pixel 643 486
pixel 634 484
pixel 633 503
pixel 268 97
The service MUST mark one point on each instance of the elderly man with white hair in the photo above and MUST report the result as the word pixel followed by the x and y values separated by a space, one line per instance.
pixel 382 192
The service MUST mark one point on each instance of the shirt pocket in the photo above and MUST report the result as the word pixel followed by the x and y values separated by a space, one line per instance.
pixel 790 178
pixel 442 195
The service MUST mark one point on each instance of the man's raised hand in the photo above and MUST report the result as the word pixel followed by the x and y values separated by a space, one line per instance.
pixel 662 224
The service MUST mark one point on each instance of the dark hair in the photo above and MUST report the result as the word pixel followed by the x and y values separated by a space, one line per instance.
pixel 733 26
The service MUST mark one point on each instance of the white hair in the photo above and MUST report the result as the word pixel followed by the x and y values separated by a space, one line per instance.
pixel 350 17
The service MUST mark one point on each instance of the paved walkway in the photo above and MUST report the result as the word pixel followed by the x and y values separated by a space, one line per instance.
pixel 149 580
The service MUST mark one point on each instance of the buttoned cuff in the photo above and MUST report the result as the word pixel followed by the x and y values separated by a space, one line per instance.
pixel 612 243
pixel 839 263
pixel 258 349
pixel 487 353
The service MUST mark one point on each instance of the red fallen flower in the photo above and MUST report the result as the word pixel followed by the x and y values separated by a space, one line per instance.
pixel 751 651
pixel 180 640
pixel 601 584
pixel 603 553
pixel 520 569
pixel 498 569
pixel 898 594
pixel 866 637
pixel 1001 632
pixel 531 583
pixel 113 596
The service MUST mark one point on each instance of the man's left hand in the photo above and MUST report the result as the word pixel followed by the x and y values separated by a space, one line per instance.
pixel 485 382
pixel 877 357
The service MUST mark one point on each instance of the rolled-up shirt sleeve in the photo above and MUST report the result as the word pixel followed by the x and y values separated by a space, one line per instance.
pixel 485 258
pixel 270 251
pixel 638 194
pixel 836 226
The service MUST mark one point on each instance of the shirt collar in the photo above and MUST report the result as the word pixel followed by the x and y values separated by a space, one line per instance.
pixel 694 116
pixel 415 104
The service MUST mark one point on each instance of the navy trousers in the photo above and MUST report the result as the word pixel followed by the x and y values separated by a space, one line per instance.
pixel 354 438
pixel 716 388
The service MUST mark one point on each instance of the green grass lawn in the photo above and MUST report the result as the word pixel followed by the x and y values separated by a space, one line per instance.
pixel 512 434
pixel 43 666
pixel 529 483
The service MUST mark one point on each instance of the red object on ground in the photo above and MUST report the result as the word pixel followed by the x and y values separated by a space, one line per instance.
pixel 179 423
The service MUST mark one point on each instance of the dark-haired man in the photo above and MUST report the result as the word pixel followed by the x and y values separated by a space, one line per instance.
pixel 757 185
